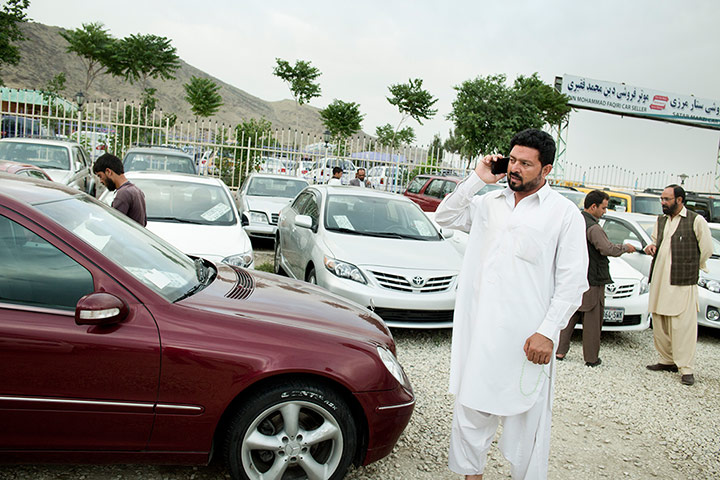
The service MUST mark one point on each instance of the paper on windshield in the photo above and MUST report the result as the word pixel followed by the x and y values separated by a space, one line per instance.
pixel 158 278
pixel 343 222
pixel 215 212
pixel 423 228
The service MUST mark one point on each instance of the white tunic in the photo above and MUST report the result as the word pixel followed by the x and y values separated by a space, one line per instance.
pixel 524 271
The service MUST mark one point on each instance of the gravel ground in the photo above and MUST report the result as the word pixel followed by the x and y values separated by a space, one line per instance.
pixel 615 421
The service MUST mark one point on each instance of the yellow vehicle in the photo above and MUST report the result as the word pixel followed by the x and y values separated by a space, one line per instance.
pixel 622 201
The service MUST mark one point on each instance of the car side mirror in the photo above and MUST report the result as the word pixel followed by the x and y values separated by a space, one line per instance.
pixel 304 221
pixel 447 233
pixel 244 220
pixel 100 309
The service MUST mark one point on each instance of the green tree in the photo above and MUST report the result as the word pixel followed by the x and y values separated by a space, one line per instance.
pixel 252 135
pixel 412 101
pixel 301 80
pixel 203 97
pixel 342 119
pixel 95 47
pixel 140 57
pixel 11 16
pixel 387 136
pixel 487 113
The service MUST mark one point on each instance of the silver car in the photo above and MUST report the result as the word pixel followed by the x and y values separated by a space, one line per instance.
pixel 260 199
pixel 637 229
pixel 375 248
pixel 64 161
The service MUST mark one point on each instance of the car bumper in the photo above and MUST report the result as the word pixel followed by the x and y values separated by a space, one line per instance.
pixel 259 230
pixel 709 303
pixel 398 309
pixel 635 316
pixel 387 413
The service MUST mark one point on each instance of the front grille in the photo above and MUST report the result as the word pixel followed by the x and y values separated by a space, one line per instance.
pixel 621 290
pixel 244 287
pixel 402 284
pixel 395 315
pixel 274 218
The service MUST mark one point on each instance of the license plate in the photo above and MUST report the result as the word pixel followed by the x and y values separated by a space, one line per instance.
pixel 613 315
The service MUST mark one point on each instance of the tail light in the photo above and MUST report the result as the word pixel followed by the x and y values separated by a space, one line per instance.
pixel 282 170
pixel 382 180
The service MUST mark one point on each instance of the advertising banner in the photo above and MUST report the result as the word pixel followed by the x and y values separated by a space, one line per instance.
pixel 624 99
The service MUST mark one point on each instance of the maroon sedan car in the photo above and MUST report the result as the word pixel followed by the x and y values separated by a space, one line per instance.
pixel 429 190
pixel 23 169
pixel 116 347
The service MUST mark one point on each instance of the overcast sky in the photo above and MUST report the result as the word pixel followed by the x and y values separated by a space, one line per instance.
pixel 363 47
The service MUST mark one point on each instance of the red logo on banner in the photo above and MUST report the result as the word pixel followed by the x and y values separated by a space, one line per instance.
pixel 659 102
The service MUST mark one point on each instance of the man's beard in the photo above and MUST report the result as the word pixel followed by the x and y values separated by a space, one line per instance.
pixel 669 209
pixel 109 184
pixel 524 186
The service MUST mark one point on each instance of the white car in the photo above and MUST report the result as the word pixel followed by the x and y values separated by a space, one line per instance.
pixel 626 299
pixel 387 178
pixel 322 170
pixel 637 228
pixel 260 199
pixel 63 160
pixel 195 214
pixel 377 249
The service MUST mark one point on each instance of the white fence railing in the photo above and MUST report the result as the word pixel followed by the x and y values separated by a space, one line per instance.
pixel 232 153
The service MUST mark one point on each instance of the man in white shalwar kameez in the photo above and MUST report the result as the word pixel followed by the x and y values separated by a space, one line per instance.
pixel 523 276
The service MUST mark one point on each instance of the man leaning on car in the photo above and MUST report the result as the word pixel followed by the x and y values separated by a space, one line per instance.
pixel 593 304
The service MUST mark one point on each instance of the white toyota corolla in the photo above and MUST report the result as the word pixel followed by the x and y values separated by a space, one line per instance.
pixel 375 248
pixel 195 214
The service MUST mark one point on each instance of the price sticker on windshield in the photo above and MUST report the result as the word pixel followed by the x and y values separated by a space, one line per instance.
pixel 215 212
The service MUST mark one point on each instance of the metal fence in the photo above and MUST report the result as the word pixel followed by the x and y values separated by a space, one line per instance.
pixel 232 153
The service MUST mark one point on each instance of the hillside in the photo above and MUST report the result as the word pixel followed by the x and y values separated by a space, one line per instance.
pixel 44 56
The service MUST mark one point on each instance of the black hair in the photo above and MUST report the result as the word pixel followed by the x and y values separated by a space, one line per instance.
pixel 337 170
pixel 678 191
pixel 596 197
pixel 539 140
pixel 108 160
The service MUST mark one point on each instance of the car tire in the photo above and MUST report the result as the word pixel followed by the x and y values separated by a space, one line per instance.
pixel 290 429
pixel 311 277
pixel 276 258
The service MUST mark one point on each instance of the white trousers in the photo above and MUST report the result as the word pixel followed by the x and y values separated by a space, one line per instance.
pixel 525 440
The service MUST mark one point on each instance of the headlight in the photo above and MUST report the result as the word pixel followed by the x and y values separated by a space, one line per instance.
pixel 644 285
pixel 393 366
pixel 240 260
pixel 344 270
pixel 258 217
pixel 712 285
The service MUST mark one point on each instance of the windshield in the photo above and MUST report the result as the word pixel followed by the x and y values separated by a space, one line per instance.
pixel 143 161
pixel 648 205
pixel 378 216
pixel 275 187
pixel 43 156
pixel 186 202
pixel 157 264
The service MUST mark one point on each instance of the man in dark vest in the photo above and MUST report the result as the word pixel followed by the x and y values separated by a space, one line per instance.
pixel 598 275
pixel 681 245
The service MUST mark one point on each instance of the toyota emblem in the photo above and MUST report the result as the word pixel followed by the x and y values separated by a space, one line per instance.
pixel 611 287
pixel 418 281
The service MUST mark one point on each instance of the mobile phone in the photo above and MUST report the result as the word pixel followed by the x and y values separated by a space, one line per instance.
pixel 500 165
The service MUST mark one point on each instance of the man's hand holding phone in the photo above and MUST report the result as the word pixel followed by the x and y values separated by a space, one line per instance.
pixel 490 164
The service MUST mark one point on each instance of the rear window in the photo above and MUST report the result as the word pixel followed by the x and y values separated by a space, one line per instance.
pixel 148 161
